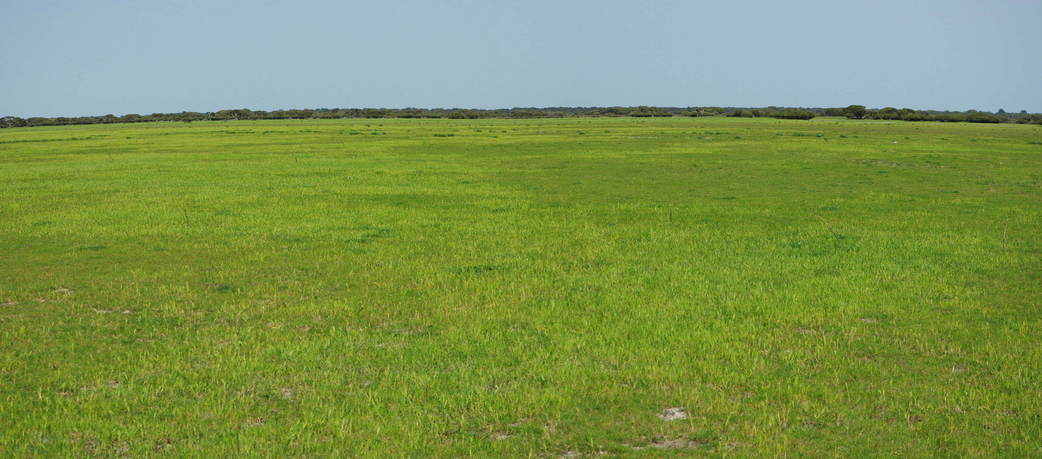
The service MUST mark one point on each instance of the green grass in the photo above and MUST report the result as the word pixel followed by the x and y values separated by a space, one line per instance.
pixel 509 287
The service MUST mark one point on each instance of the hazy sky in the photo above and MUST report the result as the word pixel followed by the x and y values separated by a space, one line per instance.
pixel 103 56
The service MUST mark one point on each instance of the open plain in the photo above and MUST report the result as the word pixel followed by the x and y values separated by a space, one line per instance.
pixel 548 287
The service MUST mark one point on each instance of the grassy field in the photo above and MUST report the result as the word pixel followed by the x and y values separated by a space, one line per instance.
pixel 377 288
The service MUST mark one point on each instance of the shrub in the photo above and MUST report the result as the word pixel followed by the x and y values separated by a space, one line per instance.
pixel 793 114
pixel 982 117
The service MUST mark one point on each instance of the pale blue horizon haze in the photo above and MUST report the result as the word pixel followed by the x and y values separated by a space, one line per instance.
pixel 69 58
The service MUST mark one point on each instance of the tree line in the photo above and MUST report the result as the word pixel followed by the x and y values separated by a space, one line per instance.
pixel 852 112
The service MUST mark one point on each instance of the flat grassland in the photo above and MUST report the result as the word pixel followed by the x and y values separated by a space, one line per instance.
pixel 521 287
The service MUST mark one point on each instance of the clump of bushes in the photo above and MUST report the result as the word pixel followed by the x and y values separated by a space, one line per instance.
pixel 908 114
pixel 793 114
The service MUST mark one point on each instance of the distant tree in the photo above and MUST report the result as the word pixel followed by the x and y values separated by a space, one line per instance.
pixel 981 117
pixel 612 111
pixel 188 117
pixel 12 121
pixel 887 113
pixel 377 113
pixel 526 113
pixel 855 112
pixel 238 114
pixel 645 110
pixel 793 114
pixel 908 114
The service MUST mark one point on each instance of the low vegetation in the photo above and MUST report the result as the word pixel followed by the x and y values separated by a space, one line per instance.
pixel 657 285
pixel 852 112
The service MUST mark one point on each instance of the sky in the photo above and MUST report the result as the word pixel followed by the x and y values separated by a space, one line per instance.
pixel 67 58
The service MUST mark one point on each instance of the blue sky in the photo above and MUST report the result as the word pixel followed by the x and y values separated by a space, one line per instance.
pixel 61 58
